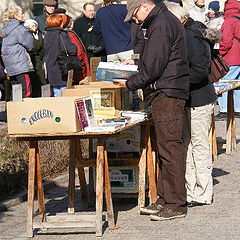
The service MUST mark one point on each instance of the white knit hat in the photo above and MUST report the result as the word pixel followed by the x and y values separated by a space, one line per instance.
pixel 29 21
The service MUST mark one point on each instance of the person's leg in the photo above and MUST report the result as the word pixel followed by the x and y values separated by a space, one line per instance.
pixel 168 121
pixel 190 166
pixel 57 91
pixel 24 80
pixel 236 96
pixel 233 73
pixel 201 153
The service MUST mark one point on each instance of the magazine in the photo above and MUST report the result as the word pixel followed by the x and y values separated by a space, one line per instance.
pixel 85 112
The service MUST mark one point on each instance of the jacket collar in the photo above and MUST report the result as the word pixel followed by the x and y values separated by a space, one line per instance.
pixel 189 23
pixel 159 8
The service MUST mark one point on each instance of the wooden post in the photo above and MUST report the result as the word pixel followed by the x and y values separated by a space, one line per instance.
pixel 81 174
pixel 142 167
pixel 17 92
pixel 31 183
pixel 151 172
pixel 108 196
pixel 39 182
pixel 99 186
pixel 94 61
pixel 230 124
pixel 91 196
pixel 70 78
pixel 46 90
pixel 71 186
pixel 213 138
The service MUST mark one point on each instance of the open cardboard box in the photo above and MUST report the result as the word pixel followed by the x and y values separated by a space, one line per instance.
pixel 84 91
pixel 43 115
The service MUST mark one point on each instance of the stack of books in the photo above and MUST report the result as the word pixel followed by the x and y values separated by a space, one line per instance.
pixel 135 116
pixel 107 71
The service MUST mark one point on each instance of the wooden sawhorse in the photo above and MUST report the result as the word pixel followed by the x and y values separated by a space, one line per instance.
pixel 102 180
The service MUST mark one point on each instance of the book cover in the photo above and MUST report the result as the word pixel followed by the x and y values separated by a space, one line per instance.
pixel 103 102
pixel 106 71
pixel 84 112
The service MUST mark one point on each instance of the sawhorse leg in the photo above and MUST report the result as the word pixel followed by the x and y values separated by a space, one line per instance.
pixel 34 167
pixel 146 160
pixel 102 172
pixel 231 125
pixel 81 174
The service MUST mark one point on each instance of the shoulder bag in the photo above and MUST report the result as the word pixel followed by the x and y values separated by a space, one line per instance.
pixel 219 68
pixel 68 62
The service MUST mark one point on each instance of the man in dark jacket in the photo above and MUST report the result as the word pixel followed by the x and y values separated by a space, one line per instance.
pixel 163 75
pixel 49 8
pixel 83 26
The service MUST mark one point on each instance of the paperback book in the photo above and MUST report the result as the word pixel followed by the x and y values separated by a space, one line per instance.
pixel 85 112
pixel 103 128
pixel 106 71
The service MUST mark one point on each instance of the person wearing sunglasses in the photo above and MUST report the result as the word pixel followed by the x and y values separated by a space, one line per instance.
pixel 163 75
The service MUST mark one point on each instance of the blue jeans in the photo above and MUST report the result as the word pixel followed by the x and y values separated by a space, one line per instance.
pixel 57 91
pixel 233 73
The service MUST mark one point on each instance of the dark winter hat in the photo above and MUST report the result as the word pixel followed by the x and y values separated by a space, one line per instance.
pixel 214 5
pixel 60 11
pixel 131 6
pixel 50 2
pixel 177 1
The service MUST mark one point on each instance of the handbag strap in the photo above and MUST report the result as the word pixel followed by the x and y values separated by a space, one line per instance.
pixel 65 48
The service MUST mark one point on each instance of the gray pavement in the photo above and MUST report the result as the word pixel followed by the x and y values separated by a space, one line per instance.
pixel 220 220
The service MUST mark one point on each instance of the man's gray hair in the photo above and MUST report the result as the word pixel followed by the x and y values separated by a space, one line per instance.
pixel 177 10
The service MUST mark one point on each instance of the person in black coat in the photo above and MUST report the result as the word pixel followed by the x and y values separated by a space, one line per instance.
pixel 83 27
pixel 198 113
pixel 53 44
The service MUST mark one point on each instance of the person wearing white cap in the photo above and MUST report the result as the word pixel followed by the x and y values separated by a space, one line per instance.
pixel 163 75
pixel 38 76
pixel 49 8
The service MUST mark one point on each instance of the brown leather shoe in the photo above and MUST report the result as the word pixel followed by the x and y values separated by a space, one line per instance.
pixel 151 209
pixel 167 214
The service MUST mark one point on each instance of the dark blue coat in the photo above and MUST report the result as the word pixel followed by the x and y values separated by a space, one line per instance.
pixel 53 48
pixel 116 33
pixel 201 90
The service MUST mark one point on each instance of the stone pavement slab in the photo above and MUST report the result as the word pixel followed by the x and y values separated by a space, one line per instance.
pixel 220 220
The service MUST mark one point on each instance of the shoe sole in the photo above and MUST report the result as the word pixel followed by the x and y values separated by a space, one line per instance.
pixel 157 218
pixel 144 211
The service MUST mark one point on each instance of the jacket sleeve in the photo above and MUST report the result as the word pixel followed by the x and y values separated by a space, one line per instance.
pixel 25 38
pixel 155 59
pixel 97 25
pixel 199 59
pixel 227 38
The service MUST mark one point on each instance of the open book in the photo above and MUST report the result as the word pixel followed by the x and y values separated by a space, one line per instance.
pixel 106 71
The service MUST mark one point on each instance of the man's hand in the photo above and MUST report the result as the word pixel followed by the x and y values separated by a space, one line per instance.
pixel 128 62
pixel 120 82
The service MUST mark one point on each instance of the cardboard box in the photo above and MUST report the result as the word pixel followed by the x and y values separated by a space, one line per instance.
pixel 43 115
pixel 125 141
pixel 123 179
pixel 85 91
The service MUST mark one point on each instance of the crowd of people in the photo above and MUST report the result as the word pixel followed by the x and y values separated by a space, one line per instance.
pixel 172 47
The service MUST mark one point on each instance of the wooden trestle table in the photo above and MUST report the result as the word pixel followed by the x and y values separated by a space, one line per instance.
pixel 145 163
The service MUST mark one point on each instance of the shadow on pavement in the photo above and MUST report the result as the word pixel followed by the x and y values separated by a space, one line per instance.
pixel 217 172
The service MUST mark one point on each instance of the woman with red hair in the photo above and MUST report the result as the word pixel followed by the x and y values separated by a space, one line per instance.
pixel 55 41
pixel 81 52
